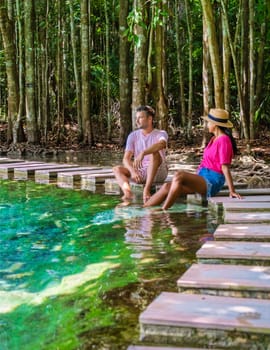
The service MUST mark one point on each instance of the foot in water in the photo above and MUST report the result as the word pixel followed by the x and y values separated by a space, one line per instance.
pixel 146 197
pixel 125 203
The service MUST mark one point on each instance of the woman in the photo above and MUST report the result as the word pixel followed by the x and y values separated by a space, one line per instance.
pixel 213 170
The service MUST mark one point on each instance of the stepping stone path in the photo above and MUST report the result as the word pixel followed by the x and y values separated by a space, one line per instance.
pixel 245 232
pixel 64 175
pixel 224 299
pixel 234 323
pixel 7 169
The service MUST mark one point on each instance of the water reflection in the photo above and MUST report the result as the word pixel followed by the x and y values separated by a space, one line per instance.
pixel 76 269
pixel 181 225
pixel 100 157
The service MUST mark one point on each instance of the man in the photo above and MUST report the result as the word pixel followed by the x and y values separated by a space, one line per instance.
pixel 144 159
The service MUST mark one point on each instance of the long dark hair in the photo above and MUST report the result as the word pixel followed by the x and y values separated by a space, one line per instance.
pixel 228 132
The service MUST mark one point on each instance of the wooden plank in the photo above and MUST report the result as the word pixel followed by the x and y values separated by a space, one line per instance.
pixel 247 253
pixel 227 280
pixel 28 172
pixel 248 232
pixel 7 170
pixel 174 318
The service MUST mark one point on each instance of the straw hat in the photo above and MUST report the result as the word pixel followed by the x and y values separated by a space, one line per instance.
pixel 219 117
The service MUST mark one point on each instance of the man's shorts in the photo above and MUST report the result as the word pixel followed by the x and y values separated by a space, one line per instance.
pixel 214 181
pixel 161 174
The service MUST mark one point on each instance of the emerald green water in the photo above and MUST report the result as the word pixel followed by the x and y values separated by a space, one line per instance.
pixel 76 270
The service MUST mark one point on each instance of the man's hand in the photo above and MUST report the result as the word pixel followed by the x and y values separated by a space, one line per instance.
pixel 137 163
pixel 136 177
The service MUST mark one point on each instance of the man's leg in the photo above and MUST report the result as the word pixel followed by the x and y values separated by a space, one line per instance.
pixel 122 176
pixel 155 163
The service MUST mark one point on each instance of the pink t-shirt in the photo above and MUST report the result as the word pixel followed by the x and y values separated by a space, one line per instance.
pixel 138 142
pixel 217 153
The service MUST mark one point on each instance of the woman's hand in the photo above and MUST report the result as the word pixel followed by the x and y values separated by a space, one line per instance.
pixel 235 195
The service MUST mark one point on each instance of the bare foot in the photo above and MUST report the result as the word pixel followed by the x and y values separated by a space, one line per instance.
pixel 146 196
pixel 127 196
pixel 125 203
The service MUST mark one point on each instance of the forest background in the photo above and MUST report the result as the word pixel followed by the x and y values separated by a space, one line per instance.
pixel 82 67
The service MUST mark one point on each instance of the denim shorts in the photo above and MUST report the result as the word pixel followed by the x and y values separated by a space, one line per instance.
pixel 214 181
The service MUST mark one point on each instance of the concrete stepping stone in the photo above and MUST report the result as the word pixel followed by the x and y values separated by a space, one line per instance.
pixel 9 160
pixel 73 179
pixel 48 176
pixel 245 232
pixel 246 217
pixel 227 280
pixel 246 192
pixel 246 253
pixel 7 170
pixel 246 206
pixel 218 203
pixel 112 187
pixel 28 172
pixel 89 181
pixel 203 320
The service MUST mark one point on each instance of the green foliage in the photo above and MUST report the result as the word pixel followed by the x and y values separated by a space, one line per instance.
pixel 262 114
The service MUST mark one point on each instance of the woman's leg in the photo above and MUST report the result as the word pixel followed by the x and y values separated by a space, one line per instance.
pixel 184 183
pixel 159 196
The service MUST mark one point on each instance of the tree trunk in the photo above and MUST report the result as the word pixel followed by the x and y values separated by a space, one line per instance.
pixel 21 111
pixel 236 71
pixel 161 104
pixel 76 70
pixel 178 11
pixel 30 86
pixel 85 57
pixel 251 69
pixel 60 73
pixel 124 74
pixel 139 66
pixel 244 65
pixel 260 64
pixel 107 59
pixel 8 35
pixel 226 66
pixel 44 77
pixel 214 52
pixel 207 82
pixel 190 67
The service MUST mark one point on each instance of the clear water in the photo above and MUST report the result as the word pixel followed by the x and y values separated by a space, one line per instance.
pixel 76 270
